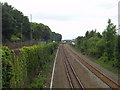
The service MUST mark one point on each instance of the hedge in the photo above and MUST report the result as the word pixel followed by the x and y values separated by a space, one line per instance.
pixel 19 69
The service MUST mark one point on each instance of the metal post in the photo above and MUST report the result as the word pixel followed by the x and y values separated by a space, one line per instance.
pixel 119 18
pixel 0 46
pixel 31 28
pixel 21 34
pixel 118 33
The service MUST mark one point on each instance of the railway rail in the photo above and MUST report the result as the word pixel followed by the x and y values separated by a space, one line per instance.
pixel 99 74
pixel 73 78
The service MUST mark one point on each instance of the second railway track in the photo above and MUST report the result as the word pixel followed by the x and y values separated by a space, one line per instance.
pixel 99 74
pixel 73 78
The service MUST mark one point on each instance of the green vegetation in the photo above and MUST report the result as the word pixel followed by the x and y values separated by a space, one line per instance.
pixel 40 81
pixel 107 65
pixel 6 67
pixel 16 27
pixel 11 23
pixel 104 48
pixel 43 32
pixel 20 67
pixel 18 70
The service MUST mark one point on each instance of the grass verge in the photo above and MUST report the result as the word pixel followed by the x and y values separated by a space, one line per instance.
pixel 102 63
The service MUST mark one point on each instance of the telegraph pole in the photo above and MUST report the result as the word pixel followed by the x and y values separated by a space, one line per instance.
pixel 21 33
pixel 0 28
pixel 31 28
pixel 119 18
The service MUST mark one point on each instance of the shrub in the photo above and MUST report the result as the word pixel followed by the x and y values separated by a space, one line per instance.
pixel 30 61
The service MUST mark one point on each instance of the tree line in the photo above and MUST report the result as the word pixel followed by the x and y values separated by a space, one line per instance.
pixel 16 27
pixel 43 32
pixel 103 46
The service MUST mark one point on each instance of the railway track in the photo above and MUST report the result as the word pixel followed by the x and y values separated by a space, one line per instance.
pixel 73 79
pixel 99 74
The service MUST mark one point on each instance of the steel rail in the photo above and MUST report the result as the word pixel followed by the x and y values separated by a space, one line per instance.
pixel 98 73
pixel 67 64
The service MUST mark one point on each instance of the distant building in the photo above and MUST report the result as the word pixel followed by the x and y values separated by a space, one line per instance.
pixel 73 41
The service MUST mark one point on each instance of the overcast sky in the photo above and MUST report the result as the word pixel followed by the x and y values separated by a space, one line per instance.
pixel 71 18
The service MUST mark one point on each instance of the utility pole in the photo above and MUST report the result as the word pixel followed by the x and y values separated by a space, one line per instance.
pixel 21 33
pixel 119 18
pixel 0 29
pixel 31 28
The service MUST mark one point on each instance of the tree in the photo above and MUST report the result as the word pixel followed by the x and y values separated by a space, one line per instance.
pixel 87 34
pixel 117 51
pixel 100 46
pixel 26 28
pixel 46 33
pixel 11 23
pixel 14 23
pixel 43 32
pixel 8 22
pixel 109 37
pixel 37 31
pixel 92 46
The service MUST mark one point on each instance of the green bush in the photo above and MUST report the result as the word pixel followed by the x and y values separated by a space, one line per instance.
pixel 15 38
pixel 38 83
pixel 6 67
pixel 18 71
pixel 103 58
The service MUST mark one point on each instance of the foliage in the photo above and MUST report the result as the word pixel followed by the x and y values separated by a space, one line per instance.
pixel 11 23
pixel 104 47
pixel 18 71
pixel 15 38
pixel 43 32
pixel 6 67
pixel 14 23
pixel 38 83
pixel 109 37
pixel 56 37
pixel 117 51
